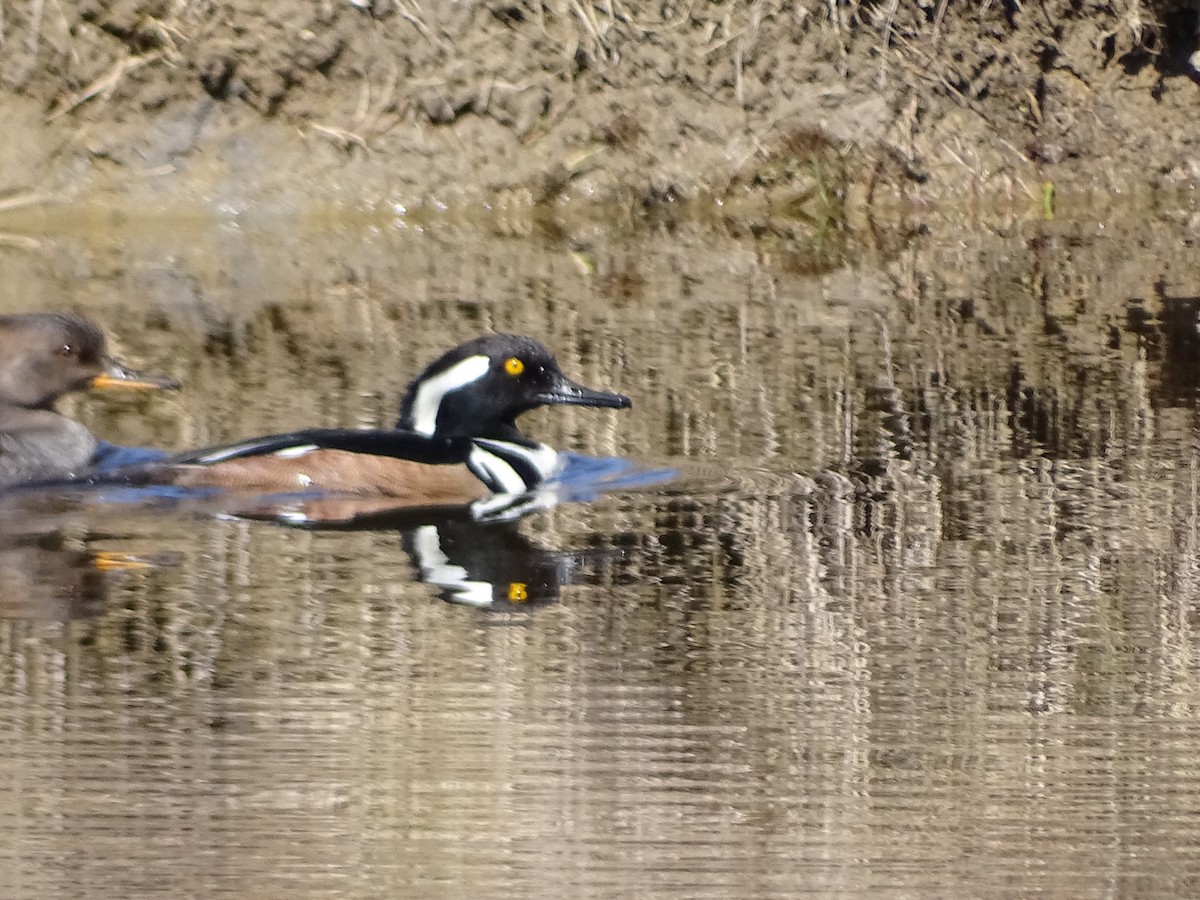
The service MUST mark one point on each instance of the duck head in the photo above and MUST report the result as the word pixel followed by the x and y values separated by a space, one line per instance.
pixel 479 388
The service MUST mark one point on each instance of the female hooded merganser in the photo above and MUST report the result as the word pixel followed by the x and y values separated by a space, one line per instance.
pixel 456 441
pixel 42 357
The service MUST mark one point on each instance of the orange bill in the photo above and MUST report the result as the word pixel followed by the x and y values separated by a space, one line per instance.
pixel 116 375
pixel 106 561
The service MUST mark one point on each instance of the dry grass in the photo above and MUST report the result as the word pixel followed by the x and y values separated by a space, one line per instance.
pixel 512 92
pixel 104 86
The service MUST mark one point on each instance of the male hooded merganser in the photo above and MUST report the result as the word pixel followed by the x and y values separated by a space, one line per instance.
pixel 42 357
pixel 456 441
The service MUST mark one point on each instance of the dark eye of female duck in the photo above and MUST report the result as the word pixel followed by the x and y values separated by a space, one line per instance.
pixel 66 350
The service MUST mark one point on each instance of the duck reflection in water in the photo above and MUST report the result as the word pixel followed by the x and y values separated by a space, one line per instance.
pixel 486 563
pixel 492 565
pixel 489 565
pixel 481 561
pixel 48 576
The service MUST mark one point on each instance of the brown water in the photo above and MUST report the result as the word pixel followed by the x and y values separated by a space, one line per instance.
pixel 917 618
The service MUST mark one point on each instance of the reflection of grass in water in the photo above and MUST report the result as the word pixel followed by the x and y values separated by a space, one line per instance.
pixel 21 200
pixel 825 217
pixel 803 177
pixel 19 241
pixel 822 248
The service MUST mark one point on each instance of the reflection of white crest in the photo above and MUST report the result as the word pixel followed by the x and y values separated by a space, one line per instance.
pixel 436 568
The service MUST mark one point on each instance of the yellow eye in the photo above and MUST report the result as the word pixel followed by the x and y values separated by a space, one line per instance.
pixel 518 592
pixel 514 366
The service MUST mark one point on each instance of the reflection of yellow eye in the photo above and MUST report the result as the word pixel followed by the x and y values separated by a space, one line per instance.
pixel 517 592
pixel 514 366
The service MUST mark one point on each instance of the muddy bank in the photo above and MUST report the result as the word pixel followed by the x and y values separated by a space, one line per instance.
pixel 777 108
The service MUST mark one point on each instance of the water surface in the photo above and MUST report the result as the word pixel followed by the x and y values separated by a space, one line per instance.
pixel 916 618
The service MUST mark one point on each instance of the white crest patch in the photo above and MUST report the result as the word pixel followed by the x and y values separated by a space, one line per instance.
pixel 293 452
pixel 431 393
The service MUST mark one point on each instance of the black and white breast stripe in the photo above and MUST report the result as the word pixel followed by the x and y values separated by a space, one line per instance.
pixel 511 468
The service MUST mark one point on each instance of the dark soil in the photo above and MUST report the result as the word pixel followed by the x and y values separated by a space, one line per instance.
pixel 805 109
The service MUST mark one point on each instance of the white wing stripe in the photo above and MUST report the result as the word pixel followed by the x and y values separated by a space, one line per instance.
pixel 248 448
pixel 293 452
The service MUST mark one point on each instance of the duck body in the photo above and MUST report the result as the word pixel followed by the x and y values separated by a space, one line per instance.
pixel 42 357
pixel 382 463
pixel 456 441
pixel 37 445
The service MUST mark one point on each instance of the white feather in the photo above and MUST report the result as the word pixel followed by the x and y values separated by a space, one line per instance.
pixel 436 568
pixel 293 452
pixel 500 471
pixel 247 449
pixel 543 458
pixel 431 393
